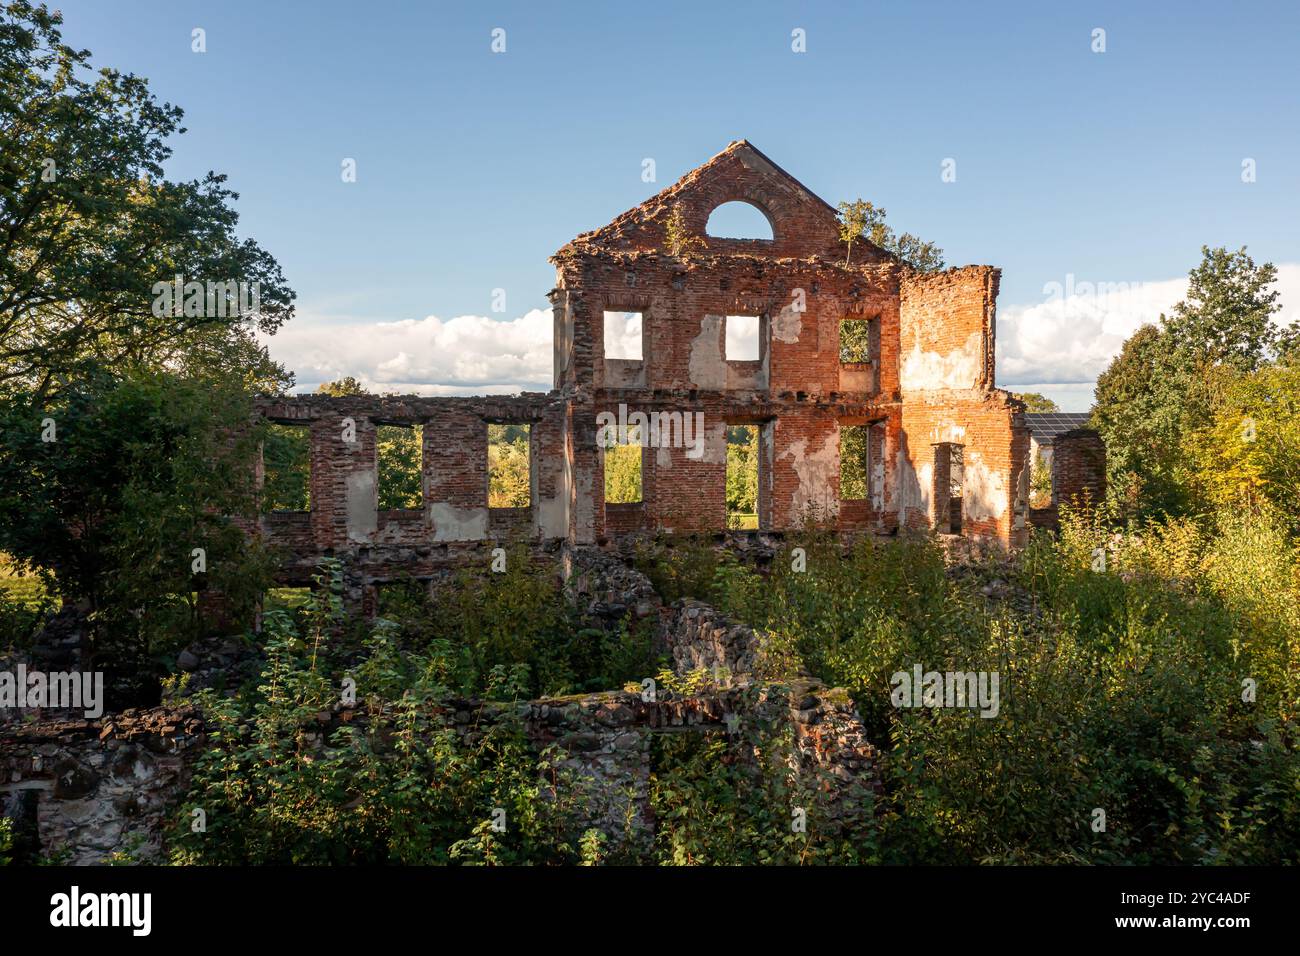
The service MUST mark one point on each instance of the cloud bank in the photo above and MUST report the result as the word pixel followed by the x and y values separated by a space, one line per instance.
pixel 466 355
pixel 1061 343
pixel 1071 336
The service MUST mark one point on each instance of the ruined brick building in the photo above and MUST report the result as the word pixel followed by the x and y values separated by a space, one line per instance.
pixel 943 446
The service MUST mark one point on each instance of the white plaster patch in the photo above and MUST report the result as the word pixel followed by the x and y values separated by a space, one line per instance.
pixel 922 370
pixel 715 443
pixel 984 490
pixel 787 325
pixel 913 491
pixel 457 524
pixel 815 471
pixel 948 432
pixel 706 367
pixel 553 517
pixel 361 504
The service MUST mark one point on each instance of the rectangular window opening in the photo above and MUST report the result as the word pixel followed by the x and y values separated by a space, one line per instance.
pixel 623 470
pixel 399 452
pixel 855 341
pixel 509 466
pixel 623 332
pixel 285 599
pixel 742 338
pixel 956 485
pixel 855 462
pixel 286 467
pixel 742 477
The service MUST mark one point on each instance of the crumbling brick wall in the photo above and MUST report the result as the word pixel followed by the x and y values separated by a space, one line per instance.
pixel 1078 468
pixel 926 382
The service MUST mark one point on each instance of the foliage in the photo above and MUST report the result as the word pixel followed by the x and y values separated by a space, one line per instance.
pixel 1036 403
pixel 508 467
pixel 1120 690
pixel 6 841
pixel 734 801
pixel 342 387
pixel 855 341
pixel 742 471
pixel 1040 483
pixel 136 474
pixel 1248 454
pixel 286 467
pixel 91 226
pixel 678 239
pixel 863 220
pixel 854 462
pixel 398 450
pixel 399 785
pixel 623 473
pixel 1171 378
pixel 678 567
pixel 515 626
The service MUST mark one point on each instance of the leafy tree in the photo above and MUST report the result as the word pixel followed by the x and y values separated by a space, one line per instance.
pixel 1169 379
pixel 1248 456
pixel 623 473
pixel 508 470
pixel 88 224
pixel 286 468
pixel 855 479
pixel 398 450
pixel 110 485
pixel 742 469
pixel 1226 317
pixel 1036 403
pixel 341 387
pixel 863 220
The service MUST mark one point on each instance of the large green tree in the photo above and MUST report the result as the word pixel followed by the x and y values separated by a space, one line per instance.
pixel 1170 378
pixel 89 226
pixel 119 490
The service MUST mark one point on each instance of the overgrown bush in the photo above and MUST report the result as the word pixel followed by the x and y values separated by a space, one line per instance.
pixel 1121 687
pixel 402 784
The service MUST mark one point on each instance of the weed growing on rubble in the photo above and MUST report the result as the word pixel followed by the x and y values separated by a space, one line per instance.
pixel 517 622
pixel 291 776
pixel 735 800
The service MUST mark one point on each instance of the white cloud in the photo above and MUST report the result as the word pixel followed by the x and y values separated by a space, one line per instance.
pixel 1062 342
pixel 1072 335
pixel 466 355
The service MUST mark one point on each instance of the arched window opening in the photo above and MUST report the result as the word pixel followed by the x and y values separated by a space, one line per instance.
pixel 739 220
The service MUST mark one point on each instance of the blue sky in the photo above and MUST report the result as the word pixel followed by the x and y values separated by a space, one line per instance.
pixel 473 167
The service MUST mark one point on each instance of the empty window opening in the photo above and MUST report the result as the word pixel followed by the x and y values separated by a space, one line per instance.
pixel 855 462
pixel 742 342
pixel 739 220
pixel 855 341
pixel 286 467
pixel 285 599
pixel 405 599
pixel 623 469
pixel 623 332
pixel 399 451
pixel 1040 481
pixel 949 481
pixel 742 477
pixel 509 473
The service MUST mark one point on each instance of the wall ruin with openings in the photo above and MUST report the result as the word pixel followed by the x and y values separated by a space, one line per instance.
pixel 943 446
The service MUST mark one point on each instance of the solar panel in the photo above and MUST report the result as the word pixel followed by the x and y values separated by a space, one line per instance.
pixel 1047 425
